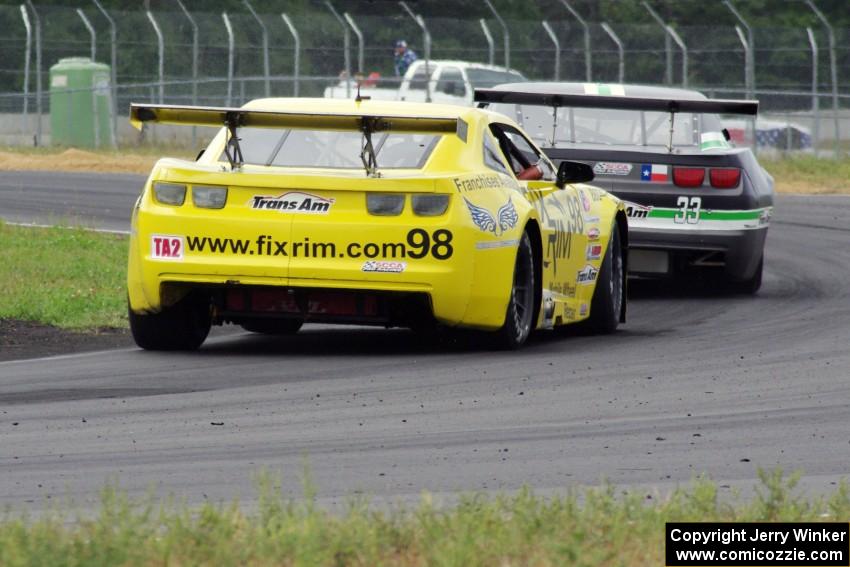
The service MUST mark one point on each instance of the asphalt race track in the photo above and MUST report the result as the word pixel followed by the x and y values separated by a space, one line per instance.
pixel 693 383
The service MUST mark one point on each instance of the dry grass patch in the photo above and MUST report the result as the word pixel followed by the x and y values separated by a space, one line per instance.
pixel 139 160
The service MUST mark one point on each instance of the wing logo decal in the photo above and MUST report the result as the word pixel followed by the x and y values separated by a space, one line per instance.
pixel 506 217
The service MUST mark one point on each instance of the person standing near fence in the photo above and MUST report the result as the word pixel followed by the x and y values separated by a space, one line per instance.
pixel 403 58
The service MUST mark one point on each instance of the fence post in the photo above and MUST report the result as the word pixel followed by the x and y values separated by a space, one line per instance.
pixel 621 54
pixel 113 71
pixel 27 57
pixel 815 98
pixel 833 72
pixel 361 56
pixel 668 44
pixel 426 38
pixel 231 46
pixel 297 56
pixel 265 34
pixel 194 64
pixel 505 33
pixel 684 49
pixel 749 52
pixel 588 70
pixel 160 42
pixel 746 47
pixel 92 33
pixel 557 44
pixel 38 91
pixel 491 47
pixel 346 43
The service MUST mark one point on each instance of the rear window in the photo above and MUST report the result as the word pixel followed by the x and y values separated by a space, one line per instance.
pixel 609 127
pixel 332 149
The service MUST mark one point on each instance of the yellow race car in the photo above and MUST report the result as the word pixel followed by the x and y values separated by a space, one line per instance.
pixel 369 212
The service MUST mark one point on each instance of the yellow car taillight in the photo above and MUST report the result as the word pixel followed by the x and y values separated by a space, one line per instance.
pixel 209 197
pixel 169 193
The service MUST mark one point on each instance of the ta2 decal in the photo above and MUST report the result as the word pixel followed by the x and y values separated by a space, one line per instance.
pixel 167 247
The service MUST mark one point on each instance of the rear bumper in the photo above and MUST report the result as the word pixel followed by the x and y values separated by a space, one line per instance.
pixel 740 250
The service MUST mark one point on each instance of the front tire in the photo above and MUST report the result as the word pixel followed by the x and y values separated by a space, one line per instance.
pixel 609 295
pixel 182 326
pixel 519 317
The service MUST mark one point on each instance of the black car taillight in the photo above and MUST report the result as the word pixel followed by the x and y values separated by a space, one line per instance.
pixel 688 176
pixel 725 177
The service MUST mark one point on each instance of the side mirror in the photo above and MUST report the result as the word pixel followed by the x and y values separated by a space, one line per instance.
pixel 573 172
pixel 726 134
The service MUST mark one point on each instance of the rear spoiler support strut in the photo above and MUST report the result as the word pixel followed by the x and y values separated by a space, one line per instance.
pixel 232 149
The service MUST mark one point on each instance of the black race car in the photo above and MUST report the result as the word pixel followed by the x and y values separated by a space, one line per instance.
pixel 694 201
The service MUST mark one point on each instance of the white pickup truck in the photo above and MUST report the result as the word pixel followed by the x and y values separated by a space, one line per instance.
pixel 451 82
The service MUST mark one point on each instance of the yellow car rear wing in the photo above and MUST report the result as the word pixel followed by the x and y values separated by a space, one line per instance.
pixel 233 118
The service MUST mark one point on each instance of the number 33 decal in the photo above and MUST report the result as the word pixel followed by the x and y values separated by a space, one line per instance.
pixel 689 208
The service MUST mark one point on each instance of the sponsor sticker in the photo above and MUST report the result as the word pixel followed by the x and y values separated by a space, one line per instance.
pixel 612 168
pixel 583 309
pixel 594 251
pixel 593 234
pixel 587 275
pixel 635 211
pixel 590 220
pixel 654 173
pixel 384 266
pixel 292 202
pixel 712 140
pixel 167 247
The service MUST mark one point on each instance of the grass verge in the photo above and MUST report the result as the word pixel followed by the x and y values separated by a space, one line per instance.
pixel 593 527
pixel 809 175
pixel 67 277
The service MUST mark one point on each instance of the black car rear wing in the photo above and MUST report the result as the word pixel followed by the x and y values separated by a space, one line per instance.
pixel 485 97
pixel 233 118
pixel 711 106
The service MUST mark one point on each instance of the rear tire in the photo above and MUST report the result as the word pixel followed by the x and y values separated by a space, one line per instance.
pixel 182 326
pixel 609 295
pixel 519 317
pixel 273 326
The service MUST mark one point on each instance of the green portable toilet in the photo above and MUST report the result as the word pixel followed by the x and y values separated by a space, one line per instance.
pixel 80 106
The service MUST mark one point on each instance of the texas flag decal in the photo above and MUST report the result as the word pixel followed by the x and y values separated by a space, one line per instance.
pixel 654 173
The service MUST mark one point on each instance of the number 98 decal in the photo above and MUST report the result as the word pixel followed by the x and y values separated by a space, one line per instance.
pixel 688 210
pixel 420 243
